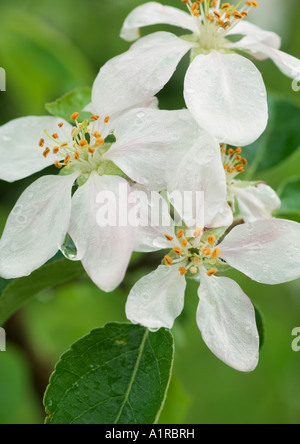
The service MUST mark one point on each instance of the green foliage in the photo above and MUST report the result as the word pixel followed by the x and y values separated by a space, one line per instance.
pixel 40 61
pixel 16 293
pixel 75 101
pixel 118 374
pixel 260 326
pixel 280 140
pixel 289 194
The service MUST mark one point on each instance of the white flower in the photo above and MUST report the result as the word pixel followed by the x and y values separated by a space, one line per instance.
pixel 267 251
pixel 223 90
pixel 138 151
pixel 255 200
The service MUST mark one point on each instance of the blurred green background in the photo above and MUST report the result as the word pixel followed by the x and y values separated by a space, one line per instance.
pixel 47 49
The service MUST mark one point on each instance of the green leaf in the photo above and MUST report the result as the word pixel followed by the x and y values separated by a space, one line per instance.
pixel 289 194
pixel 260 326
pixel 280 140
pixel 16 293
pixel 118 374
pixel 74 101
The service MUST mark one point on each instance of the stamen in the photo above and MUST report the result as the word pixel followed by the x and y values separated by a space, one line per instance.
pixel 42 143
pixel 211 239
pixel 74 116
pixel 168 237
pixel 177 251
pixel 168 261
pixel 211 272
pixel 182 271
pixel 58 164
pixel 216 253
pixel 184 243
pixel 180 234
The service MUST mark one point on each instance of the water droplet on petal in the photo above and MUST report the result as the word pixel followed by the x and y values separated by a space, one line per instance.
pixel 69 249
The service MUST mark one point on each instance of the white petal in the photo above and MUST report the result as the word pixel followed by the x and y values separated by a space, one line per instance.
pixel 154 13
pixel 155 221
pixel 20 152
pixel 37 226
pixel 226 95
pixel 139 74
pixel 157 299
pixel 226 319
pixel 255 33
pixel 267 251
pixel 256 201
pixel 105 251
pixel 147 142
pixel 200 169
pixel 288 65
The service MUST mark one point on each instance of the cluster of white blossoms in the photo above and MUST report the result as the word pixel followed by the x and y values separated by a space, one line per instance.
pixel 129 141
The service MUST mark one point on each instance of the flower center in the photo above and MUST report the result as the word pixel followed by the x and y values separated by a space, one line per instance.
pixel 215 18
pixel 191 251
pixel 82 149
pixel 233 161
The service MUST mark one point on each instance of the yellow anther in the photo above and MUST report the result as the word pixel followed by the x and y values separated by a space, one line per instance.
pixel 211 272
pixel 182 271
pixel 97 135
pixel 211 239
pixel 95 118
pixel 42 143
pixel 225 6
pixel 64 145
pixel 99 141
pixel 177 251
pixel 46 152
pixel 198 232
pixel 77 155
pixel 107 119
pixel 61 124
pixel 180 234
pixel 238 150
pixel 74 116
pixel 83 143
pixel 55 149
pixel 216 253
pixel 67 159
pixel 91 150
pixel 184 243
pixel 168 237
pixel 58 164
pixel 206 251
pixel 168 260
pixel 55 136
pixel 196 260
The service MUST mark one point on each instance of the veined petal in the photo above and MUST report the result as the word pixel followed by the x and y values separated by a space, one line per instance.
pixel 105 251
pixel 256 201
pixel 156 224
pixel 147 143
pixel 267 251
pixel 139 74
pixel 153 13
pixel 157 299
pixel 200 169
pixel 21 155
pixel 288 65
pixel 227 96
pixel 37 226
pixel 226 319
